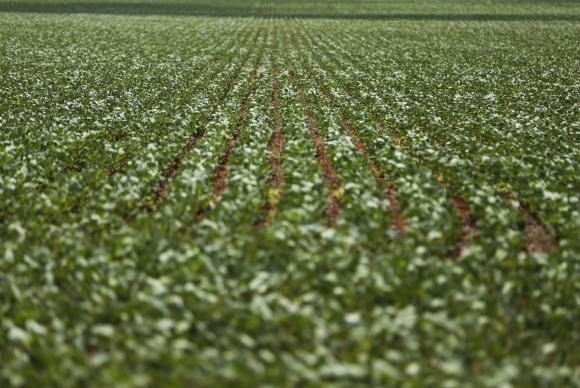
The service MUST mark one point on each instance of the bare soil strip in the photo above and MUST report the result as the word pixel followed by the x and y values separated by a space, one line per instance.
pixel 537 236
pixel 331 179
pixel 468 225
pixel 221 172
pixel 276 146
pixel 398 223
pixel 173 168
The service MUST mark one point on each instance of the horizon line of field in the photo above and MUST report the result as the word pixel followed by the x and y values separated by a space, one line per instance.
pixel 146 10
pixel 332 180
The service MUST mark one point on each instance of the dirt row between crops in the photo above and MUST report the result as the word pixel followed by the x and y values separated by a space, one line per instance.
pixel 537 236
pixel 398 221
pixel 331 179
pixel 122 163
pixel 173 168
pixel 466 219
pixel 221 172
pixel 276 147
pixel 468 225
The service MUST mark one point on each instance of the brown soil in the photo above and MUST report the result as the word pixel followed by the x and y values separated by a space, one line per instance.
pixel 221 172
pixel 123 162
pixel 171 170
pixel 466 219
pixel 538 237
pixel 331 179
pixel 276 146
pixel 468 225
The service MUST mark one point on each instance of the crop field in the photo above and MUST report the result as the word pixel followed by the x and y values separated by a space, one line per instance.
pixel 264 193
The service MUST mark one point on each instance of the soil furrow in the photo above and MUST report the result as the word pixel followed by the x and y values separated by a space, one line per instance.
pixel 537 236
pixel 468 225
pixel 276 146
pixel 331 179
pixel 221 172
pixel 398 223
pixel 122 163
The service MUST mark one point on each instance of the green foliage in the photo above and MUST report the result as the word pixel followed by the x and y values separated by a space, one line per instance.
pixel 103 283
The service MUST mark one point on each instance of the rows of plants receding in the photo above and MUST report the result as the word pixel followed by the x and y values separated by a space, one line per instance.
pixel 150 138
pixel 546 246
pixel 225 201
pixel 368 132
pixel 490 153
